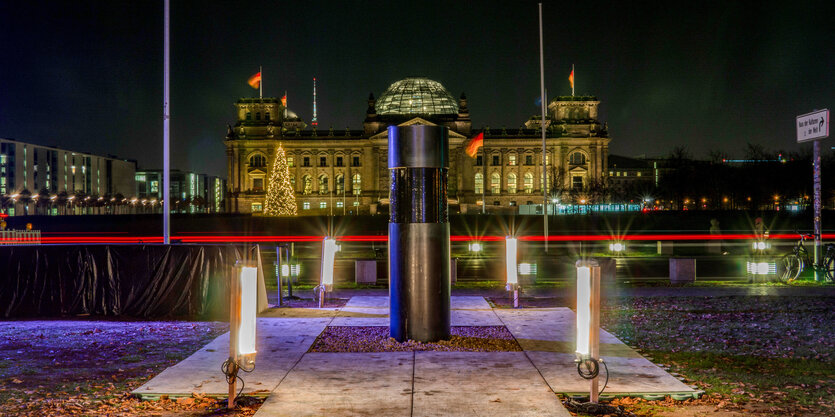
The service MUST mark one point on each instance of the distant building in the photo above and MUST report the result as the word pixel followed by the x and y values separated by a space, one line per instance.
pixel 31 173
pixel 345 171
pixel 190 192
pixel 631 178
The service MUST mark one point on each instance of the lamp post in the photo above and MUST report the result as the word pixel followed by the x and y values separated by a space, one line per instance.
pixel 329 249
pixel 243 291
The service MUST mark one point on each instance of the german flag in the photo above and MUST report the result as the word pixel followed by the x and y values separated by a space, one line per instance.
pixel 255 80
pixel 475 143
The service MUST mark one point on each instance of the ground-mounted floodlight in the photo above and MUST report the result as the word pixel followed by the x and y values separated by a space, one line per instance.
pixel 243 306
pixel 588 323
pixel 760 245
pixel 475 247
pixel 760 270
pixel 329 249
pixel 511 253
pixel 617 247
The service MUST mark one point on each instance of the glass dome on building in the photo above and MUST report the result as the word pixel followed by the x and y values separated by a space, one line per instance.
pixel 416 95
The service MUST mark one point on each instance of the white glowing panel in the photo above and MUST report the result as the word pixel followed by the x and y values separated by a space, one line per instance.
pixel 760 245
pixel 475 247
pixel 510 261
pixel 285 270
pixel 329 249
pixel 583 309
pixel 762 268
pixel 249 291
pixel 617 247
pixel 527 269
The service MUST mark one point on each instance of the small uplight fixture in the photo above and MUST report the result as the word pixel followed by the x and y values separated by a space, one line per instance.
pixel 617 247
pixel 511 256
pixel 761 268
pixel 329 249
pixel 760 245
pixel 285 270
pixel 475 247
pixel 247 303
pixel 588 324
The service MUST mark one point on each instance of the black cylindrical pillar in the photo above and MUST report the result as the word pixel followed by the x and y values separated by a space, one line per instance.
pixel 419 285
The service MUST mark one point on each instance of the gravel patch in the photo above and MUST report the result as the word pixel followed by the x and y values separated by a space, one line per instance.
pixel 362 339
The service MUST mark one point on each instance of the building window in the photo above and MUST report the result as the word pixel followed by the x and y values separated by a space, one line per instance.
pixel 248 116
pixel 323 184
pixel 356 184
pixel 528 159
pixel 291 161
pixel 356 203
pixel 547 158
pixel 257 161
pixel 496 160
pixel 307 184
pixel 340 183
pixel 323 204
pixel 257 184
pixel 339 161
pixel 577 158
pixel 257 207
pixel 323 161
pixel 639 173
pixel 512 203
pixel 306 205
pixel 511 183
pixel 267 116
pixel 293 180
pixel 495 183
pixel 258 115
pixel 479 183
pixel 577 182
pixel 306 161
pixel 339 204
pixel 511 159
pixel 355 161
pixel 479 161
pixel 528 182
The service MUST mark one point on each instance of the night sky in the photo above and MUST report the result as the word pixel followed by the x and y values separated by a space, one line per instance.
pixel 87 75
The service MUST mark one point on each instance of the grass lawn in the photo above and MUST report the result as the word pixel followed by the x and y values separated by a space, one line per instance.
pixel 74 367
pixel 752 355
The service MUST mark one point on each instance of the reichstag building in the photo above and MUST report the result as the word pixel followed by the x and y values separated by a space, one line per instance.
pixel 345 171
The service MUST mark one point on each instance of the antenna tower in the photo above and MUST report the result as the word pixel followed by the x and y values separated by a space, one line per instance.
pixel 314 122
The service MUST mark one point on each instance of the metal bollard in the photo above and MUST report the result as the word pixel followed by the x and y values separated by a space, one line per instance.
pixel 419 254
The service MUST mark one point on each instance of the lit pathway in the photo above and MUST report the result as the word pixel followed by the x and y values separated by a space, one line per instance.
pixel 409 383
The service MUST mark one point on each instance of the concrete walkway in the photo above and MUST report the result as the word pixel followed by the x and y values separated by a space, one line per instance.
pixel 414 383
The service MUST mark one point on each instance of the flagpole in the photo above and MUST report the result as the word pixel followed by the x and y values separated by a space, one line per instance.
pixel 260 83
pixel 483 177
pixel 542 125
pixel 573 77
pixel 166 135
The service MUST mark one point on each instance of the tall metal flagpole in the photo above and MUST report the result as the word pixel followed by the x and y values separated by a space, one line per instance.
pixel 483 177
pixel 542 125
pixel 573 77
pixel 166 122
pixel 260 83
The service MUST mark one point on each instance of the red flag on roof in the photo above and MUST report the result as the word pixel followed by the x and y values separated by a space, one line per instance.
pixel 475 143
pixel 571 79
pixel 284 100
pixel 255 80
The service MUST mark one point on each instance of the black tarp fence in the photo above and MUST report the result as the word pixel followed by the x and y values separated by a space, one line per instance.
pixel 141 281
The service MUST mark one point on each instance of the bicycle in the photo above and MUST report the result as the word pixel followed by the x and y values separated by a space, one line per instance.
pixel 795 262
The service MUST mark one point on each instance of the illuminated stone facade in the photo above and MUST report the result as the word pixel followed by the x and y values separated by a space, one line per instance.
pixel 345 171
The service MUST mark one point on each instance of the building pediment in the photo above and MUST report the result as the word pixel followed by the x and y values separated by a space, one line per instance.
pixel 418 121
pixel 578 170
pixel 257 171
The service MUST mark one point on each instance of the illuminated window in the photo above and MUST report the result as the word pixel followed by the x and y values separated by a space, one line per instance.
pixel 356 184
pixel 577 182
pixel 339 204
pixel 323 204
pixel 528 179
pixel 511 159
pixel 291 161
pixel 306 205
pixel 293 180
pixel 307 184
pixel 479 183
pixel 340 183
pixel 356 203
pixel 257 184
pixel 416 96
pixel 257 207
pixel 639 173
pixel 323 184
pixel 495 183
pixel 511 183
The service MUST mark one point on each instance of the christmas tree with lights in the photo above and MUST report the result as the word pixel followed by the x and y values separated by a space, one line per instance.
pixel 281 199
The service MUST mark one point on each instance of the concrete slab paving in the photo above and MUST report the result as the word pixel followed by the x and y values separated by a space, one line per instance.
pixel 481 384
pixel 345 384
pixel 280 343
pixel 548 335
